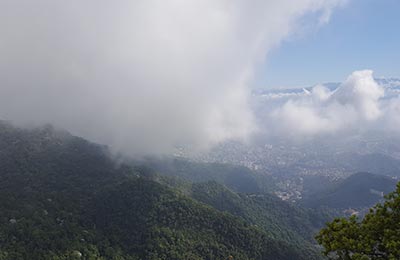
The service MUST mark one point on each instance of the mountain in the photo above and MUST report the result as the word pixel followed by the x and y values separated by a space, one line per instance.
pixel 373 162
pixel 62 197
pixel 360 190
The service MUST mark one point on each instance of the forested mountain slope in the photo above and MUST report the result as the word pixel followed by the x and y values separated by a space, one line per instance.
pixel 62 197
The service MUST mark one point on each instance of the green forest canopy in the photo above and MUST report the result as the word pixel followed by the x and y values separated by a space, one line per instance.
pixel 376 236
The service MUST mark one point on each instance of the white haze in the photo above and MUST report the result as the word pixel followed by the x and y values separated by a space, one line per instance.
pixel 141 76
pixel 358 105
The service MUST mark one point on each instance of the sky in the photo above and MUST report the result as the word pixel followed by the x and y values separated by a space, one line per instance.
pixel 362 34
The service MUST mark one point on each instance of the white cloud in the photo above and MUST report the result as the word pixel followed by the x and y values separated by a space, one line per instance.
pixel 358 103
pixel 391 119
pixel 362 92
pixel 142 76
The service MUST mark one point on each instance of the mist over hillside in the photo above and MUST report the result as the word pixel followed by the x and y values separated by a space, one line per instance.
pixel 142 76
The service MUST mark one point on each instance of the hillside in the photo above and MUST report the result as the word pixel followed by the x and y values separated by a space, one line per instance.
pixel 278 218
pixel 62 197
pixel 357 191
pixel 236 178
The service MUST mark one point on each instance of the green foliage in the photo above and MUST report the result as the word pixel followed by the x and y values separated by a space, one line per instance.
pixel 377 236
pixel 281 219
pixel 62 197
pixel 161 224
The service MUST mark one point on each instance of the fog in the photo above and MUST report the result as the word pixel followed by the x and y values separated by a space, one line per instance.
pixel 144 76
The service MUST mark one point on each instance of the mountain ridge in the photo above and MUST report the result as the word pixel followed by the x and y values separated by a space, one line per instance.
pixel 359 190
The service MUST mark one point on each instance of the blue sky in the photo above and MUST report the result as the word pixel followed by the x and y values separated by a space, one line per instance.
pixel 364 34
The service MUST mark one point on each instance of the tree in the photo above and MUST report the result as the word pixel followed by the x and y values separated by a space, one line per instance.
pixel 377 236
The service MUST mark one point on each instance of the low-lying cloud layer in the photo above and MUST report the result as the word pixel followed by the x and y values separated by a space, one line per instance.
pixel 358 104
pixel 141 76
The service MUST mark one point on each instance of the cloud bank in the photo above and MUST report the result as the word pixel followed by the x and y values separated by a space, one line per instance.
pixel 142 76
pixel 358 104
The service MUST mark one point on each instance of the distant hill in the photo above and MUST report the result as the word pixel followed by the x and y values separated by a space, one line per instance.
pixel 357 191
pixel 62 197
pixel 376 163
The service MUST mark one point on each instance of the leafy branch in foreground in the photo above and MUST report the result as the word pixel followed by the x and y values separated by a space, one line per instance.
pixel 377 236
